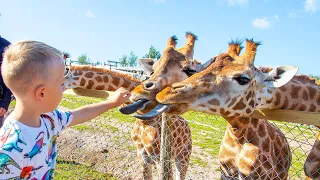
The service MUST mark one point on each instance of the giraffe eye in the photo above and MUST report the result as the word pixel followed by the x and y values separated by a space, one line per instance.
pixel 242 80
pixel 189 71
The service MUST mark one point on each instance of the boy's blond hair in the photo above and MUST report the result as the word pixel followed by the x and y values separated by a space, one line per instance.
pixel 27 63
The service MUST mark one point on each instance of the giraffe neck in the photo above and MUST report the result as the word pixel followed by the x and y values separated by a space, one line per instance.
pixel 88 77
pixel 239 126
pixel 301 93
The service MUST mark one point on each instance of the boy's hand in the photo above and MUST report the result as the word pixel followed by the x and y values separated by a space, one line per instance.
pixel 2 111
pixel 120 96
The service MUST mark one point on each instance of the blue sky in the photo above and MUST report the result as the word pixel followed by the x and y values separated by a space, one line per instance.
pixel 105 30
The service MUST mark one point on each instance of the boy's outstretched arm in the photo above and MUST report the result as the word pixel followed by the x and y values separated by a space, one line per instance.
pixel 88 112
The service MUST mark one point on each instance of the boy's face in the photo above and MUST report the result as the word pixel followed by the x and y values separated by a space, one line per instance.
pixel 55 88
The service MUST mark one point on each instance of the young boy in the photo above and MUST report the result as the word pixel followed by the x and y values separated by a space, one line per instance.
pixel 34 72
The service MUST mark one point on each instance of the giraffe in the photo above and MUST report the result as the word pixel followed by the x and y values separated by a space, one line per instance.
pixel 88 77
pixel 173 66
pixel 230 87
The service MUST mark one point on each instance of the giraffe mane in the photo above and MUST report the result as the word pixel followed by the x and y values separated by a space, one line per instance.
pixel 265 69
pixel 306 79
pixel 105 71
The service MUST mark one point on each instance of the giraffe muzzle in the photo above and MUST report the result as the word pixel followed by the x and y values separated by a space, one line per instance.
pixel 159 109
pixel 131 108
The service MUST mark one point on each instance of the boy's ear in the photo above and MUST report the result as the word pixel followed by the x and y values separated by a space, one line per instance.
pixel 40 92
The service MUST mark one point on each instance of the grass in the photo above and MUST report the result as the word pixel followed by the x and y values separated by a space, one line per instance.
pixel 206 130
pixel 69 170
pixel 102 127
pixel 296 169
pixel 196 161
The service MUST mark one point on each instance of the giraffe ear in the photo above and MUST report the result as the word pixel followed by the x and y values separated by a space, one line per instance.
pixel 279 76
pixel 146 64
pixel 201 67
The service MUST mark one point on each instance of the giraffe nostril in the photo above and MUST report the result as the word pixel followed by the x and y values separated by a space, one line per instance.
pixel 149 85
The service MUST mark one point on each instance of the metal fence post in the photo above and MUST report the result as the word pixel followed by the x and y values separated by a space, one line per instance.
pixel 165 153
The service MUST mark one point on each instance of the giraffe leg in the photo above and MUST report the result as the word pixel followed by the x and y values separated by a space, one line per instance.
pixel 147 171
pixel 226 177
pixel 182 164
pixel 146 165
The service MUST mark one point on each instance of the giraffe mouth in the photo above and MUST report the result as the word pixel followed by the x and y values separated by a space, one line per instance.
pixel 131 108
pixel 159 109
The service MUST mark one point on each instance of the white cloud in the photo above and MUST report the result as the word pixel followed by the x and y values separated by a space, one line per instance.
pixel 261 23
pixel 276 17
pixel 237 2
pixel 311 5
pixel 90 14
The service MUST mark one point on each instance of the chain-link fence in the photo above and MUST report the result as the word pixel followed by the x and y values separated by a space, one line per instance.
pixel 106 147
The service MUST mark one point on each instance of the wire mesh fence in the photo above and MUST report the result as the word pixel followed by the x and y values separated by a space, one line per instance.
pixel 115 146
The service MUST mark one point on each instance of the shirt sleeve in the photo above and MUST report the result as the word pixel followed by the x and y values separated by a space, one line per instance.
pixel 61 119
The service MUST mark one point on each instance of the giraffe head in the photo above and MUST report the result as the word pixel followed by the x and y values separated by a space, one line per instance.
pixel 173 66
pixel 231 86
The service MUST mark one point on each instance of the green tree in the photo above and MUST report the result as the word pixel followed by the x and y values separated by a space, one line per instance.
pixel 132 60
pixel 124 61
pixel 83 59
pixel 153 53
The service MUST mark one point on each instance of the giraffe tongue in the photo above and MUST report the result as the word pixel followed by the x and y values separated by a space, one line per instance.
pixel 160 108
pixel 131 108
